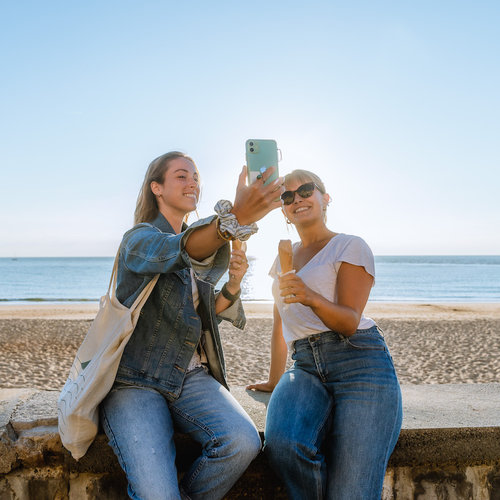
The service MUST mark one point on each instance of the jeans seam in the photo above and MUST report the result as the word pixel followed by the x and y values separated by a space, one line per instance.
pixel 195 473
pixel 199 424
pixel 395 425
pixel 113 440
pixel 203 459
pixel 316 355
pixel 327 414
pixel 366 348
pixel 183 493
pixel 325 419
pixel 389 357
pixel 382 347
pixel 196 422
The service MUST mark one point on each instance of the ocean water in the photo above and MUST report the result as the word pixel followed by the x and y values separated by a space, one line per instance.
pixel 398 279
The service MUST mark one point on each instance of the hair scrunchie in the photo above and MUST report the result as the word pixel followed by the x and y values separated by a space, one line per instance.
pixel 228 224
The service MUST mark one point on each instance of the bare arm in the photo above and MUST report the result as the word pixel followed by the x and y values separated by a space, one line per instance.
pixel 279 353
pixel 238 266
pixel 353 289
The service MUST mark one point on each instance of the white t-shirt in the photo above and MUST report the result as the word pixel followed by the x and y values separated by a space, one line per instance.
pixel 320 275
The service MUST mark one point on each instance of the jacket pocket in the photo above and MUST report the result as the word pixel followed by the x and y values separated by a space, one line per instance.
pixel 183 275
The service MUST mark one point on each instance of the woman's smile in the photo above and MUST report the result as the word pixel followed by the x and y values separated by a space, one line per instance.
pixel 301 209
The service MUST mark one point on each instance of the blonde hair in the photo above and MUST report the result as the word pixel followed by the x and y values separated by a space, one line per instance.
pixel 304 176
pixel 146 208
pixel 300 175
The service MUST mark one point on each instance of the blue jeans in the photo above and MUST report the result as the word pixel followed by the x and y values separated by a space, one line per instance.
pixel 139 423
pixel 334 417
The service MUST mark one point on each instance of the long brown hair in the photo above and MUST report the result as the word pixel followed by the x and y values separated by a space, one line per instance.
pixel 146 208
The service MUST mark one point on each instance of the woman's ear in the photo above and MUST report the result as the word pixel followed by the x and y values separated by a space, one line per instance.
pixel 287 220
pixel 155 188
pixel 327 198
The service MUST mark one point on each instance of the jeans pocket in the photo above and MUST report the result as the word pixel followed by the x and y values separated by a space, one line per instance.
pixel 367 340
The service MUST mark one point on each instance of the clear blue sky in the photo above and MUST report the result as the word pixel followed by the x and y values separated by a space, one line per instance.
pixel 394 104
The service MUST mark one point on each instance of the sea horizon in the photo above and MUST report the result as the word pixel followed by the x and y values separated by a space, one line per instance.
pixel 399 278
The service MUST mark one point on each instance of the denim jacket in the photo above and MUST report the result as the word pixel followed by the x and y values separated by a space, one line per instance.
pixel 169 328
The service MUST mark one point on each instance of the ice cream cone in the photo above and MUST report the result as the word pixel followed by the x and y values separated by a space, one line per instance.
pixel 286 256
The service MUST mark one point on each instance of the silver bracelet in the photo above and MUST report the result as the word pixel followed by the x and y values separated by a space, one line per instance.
pixel 228 223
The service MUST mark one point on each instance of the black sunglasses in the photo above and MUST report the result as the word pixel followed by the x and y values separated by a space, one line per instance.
pixel 304 191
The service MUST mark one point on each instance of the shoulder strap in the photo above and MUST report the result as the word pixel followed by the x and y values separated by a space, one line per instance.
pixel 145 293
pixel 112 279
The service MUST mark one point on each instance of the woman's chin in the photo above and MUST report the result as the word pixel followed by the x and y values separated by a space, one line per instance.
pixel 189 205
pixel 304 218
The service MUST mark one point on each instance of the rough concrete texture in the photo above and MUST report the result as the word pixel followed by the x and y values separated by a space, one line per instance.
pixel 460 446
pixel 10 399
pixel 447 483
pixel 36 410
pixel 449 448
pixel 431 406
pixel 439 406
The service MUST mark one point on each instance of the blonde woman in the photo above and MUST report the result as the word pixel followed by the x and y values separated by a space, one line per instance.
pixel 172 375
pixel 334 418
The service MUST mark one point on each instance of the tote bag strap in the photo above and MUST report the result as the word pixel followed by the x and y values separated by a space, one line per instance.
pixel 112 279
pixel 142 297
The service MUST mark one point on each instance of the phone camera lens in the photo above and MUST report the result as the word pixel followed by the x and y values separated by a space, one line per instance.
pixel 250 143
pixel 251 150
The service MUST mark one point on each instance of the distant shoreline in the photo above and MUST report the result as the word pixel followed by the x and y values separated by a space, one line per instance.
pixel 408 279
pixel 263 308
pixel 257 304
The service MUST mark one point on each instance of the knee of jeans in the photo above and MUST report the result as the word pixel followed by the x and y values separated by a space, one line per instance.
pixel 154 490
pixel 249 442
pixel 279 446
pixel 276 443
pixel 245 442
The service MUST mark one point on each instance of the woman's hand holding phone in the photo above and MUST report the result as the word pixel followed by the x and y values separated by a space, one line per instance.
pixel 253 202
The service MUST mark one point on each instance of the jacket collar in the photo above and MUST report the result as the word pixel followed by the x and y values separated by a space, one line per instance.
pixel 163 225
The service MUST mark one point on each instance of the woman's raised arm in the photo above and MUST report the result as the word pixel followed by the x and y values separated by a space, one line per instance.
pixel 251 204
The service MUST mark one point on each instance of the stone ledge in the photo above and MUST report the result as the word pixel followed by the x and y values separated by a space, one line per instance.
pixel 450 435
pixel 445 424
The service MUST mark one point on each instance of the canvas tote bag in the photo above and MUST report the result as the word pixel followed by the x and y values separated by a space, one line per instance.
pixel 95 366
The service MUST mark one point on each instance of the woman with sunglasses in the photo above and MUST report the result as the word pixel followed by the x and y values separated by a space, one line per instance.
pixel 171 375
pixel 333 418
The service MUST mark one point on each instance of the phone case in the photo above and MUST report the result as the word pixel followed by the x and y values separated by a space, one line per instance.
pixel 261 153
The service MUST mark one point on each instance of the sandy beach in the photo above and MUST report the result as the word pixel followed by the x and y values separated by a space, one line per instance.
pixel 430 343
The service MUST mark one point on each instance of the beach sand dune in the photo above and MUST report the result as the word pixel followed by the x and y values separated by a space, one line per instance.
pixel 427 348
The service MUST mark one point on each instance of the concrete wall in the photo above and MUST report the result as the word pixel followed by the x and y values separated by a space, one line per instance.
pixel 449 448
